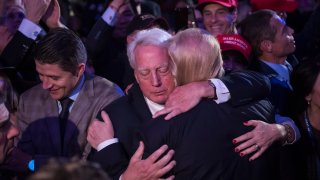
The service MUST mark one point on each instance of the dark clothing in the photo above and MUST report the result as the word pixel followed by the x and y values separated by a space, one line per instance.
pixel 281 91
pixel 202 140
pixel 307 151
pixel 131 116
pixel 108 55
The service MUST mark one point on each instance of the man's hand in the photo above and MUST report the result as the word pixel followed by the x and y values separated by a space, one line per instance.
pixel 259 139
pixel 35 9
pixel 99 132
pixel 184 98
pixel 150 168
pixel 52 15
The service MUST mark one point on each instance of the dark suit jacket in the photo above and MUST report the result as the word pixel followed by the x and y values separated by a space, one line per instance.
pixel 39 123
pixel 130 113
pixel 108 54
pixel 202 140
pixel 18 54
pixel 281 92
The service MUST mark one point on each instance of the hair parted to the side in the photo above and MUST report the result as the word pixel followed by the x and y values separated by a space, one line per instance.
pixel 63 47
pixel 257 27
pixel 154 36
pixel 197 56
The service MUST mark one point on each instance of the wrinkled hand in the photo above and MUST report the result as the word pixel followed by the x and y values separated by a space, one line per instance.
pixel 5 37
pixel 184 98
pixel 100 131
pixel 4 113
pixel 259 139
pixel 52 15
pixel 35 9
pixel 150 168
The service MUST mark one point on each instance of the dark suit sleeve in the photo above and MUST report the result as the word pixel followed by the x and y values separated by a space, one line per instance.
pixel 246 86
pixel 15 51
pixel 112 159
pixel 98 37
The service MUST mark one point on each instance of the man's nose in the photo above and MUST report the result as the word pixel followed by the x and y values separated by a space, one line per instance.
pixel 156 80
pixel 46 83
pixel 13 132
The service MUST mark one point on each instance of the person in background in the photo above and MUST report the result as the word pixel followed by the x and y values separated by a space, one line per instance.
pixel 54 115
pixel 8 123
pixel 219 16
pixel 305 81
pixel 235 52
pixel 272 42
pixel 73 169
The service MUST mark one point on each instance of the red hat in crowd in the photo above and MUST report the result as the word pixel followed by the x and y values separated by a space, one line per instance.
pixel 234 42
pixel 276 5
pixel 226 3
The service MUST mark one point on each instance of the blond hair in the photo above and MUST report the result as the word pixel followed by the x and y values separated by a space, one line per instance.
pixel 196 55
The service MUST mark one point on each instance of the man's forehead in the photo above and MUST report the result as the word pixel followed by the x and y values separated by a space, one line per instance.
pixel 153 66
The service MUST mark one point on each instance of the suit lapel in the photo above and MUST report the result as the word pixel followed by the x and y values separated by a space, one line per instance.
pixel 139 104
pixel 77 113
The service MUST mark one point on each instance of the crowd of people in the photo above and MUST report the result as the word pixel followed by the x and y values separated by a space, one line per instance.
pixel 147 89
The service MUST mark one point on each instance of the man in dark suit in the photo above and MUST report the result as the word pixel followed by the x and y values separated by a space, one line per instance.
pixel 49 127
pixel 131 113
pixel 18 52
pixel 273 42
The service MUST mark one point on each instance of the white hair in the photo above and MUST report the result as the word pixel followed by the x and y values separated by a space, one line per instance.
pixel 154 36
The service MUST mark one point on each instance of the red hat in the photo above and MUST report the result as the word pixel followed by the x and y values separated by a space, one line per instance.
pixel 275 5
pixel 226 3
pixel 234 42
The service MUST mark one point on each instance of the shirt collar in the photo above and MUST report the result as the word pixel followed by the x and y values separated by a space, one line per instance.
pixel 74 94
pixel 153 107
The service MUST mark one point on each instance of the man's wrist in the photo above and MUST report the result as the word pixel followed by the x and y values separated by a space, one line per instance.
pixel 214 90
pixel 289 135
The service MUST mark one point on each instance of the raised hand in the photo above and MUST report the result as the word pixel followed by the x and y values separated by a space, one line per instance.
pixel 52 15
pixel 99 132
pixel 35 9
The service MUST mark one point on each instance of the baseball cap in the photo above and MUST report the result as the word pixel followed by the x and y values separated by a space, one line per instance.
pixel 276 5
pixel 226 3
pixel 234 42
pixel 145 21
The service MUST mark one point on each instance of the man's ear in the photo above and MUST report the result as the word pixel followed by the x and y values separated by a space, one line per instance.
pixel 266 46
pixel 81 69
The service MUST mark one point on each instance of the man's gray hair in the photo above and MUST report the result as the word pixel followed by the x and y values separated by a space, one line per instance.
pixel 154 36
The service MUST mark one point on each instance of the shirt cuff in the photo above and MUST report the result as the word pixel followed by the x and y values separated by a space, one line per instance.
pixel 286 120
pixel 223 94
pixel 29 29
pixel 110 16
pixel 107 143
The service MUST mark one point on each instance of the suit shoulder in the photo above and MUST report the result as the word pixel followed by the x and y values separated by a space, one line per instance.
pixel 102 85
pixel 35 91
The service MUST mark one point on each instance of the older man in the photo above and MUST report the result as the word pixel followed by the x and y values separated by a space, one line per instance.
pixel 153 72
